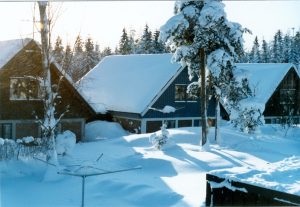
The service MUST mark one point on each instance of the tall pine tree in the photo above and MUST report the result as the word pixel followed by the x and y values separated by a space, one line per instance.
pixel 145 45
pixel 199 29
pixel 58 52
pixel 265 52
pixel 255 52
pixel 124 45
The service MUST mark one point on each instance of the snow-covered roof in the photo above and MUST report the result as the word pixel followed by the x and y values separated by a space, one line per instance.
pixel 127 83
pixel 263 78
pixel 9 48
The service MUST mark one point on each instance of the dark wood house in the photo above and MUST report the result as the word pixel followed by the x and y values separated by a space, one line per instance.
pixel 21 94
pixel 277 87
pixel 134 89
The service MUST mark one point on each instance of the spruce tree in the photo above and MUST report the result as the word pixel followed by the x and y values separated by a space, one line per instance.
pixel 265 53
pixel 106 52
pixel 158 45
pixel 58 52
pixel 67 60
pixel 145 43
pixel 78 49
pixel 90 56
pixel 124 46
pixel 286 49
pixel 199 29
pixel 255 52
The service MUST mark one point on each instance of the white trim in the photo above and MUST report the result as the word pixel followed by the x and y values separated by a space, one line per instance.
pixel 180 69
pixel 143 126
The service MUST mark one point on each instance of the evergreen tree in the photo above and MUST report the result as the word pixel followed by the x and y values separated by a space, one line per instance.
pixel 145 43
pixel 265 53
pixel 296 46
pixel 106 52
pixel 132 42
pixel 67 60
pixel 90 56
pixel 158 45
pixel 199 28
pixel 277 48
pixel 58 52
pixel 78 64
pixel 78 49
pixel 124 45
pixel 286 49
pixel 255 54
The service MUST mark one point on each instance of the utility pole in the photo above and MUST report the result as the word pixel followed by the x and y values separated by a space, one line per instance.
pixel 203 97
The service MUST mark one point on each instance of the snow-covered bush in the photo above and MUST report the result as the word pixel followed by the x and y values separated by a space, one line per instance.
pixel 159 139
pixel 247 119
pixel 65 143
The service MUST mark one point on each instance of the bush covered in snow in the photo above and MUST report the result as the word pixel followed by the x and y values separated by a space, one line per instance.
pixel 159 139
pixel 65 143
pixel 247 119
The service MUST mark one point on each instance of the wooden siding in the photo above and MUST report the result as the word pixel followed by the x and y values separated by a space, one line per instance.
pixel 274 107
pixel 27 63
pixel 186 108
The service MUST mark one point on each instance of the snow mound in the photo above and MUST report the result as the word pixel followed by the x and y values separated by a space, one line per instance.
pixel 65 143
pixel 103 129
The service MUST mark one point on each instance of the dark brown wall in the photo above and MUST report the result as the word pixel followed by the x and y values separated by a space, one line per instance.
pixel 273 106
pixel 27 63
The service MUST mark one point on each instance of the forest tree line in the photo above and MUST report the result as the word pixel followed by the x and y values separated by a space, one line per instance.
pixel 80 58
pixel 283 48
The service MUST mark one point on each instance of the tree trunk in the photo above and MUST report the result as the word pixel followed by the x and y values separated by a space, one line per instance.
pixel 49 108
pixel 203 97
pixel 217 119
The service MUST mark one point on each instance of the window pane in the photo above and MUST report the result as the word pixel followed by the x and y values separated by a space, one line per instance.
pixel 153 126
pixel 171 124
pixel 180 91
pixel 197 122
pixel 6 131
pixel 24 89
pixel 184 123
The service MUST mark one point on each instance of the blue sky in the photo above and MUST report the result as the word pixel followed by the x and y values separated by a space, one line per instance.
pixel 104 20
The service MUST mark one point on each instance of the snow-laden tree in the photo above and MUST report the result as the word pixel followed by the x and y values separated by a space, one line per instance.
pixel 199 29
pixel 255 56
pixel 124 44
pixel 265 52
pixel 277 48
pixel 58 52
pixel 106 52
pixel 145 43
pixel 158 46
pixel 91 56
pixel 66 64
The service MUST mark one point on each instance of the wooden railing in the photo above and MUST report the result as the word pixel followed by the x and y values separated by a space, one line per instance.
pixel 225 192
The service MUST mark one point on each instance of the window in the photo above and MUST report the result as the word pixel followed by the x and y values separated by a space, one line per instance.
pixel 287 96
pixel 170 123
pixel 6 130
pixel 184 123
pixel 25 89
pixel 197 122
pixel 153 126
pixel 181 93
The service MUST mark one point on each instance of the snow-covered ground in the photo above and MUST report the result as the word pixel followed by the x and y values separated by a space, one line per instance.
pixel 174 176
